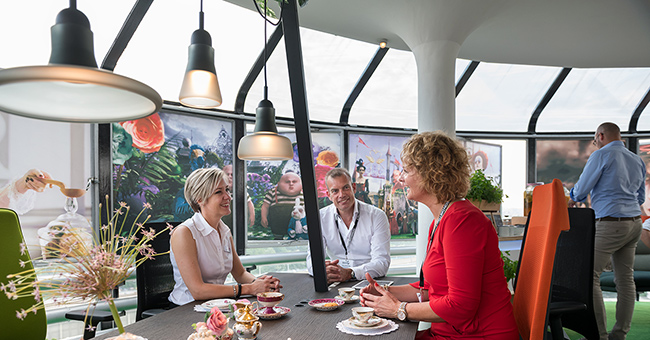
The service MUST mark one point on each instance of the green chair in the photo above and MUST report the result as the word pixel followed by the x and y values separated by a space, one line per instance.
pixel 33 326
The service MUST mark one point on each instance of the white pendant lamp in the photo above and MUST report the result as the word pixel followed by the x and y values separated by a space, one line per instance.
pixel 200 87
pixel 71 88
pixel 265 144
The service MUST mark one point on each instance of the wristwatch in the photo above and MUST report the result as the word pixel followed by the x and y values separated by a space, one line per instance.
pixel 401 312
pixel 352 275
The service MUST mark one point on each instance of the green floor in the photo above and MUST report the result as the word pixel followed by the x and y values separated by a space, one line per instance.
pixel 640 329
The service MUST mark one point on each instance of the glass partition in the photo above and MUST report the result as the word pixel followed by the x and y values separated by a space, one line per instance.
pixel 588 97
pixel 153 156
pixel 502 97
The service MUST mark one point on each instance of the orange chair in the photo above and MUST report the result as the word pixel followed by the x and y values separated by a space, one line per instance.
pixel 548 217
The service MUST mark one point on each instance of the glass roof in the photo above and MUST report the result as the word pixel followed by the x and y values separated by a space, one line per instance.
pixel 497 97
pixel 502 97
pixel 588 97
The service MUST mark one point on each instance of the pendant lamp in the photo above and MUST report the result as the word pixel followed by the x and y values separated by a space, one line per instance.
pixel 265 144
pixel 200 87
pixel 71 88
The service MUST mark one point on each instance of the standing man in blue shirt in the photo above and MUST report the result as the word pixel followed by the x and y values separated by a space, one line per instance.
pixel 615 177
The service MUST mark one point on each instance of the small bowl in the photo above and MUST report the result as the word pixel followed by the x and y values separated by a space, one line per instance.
pixel 326 305
pixel 269 299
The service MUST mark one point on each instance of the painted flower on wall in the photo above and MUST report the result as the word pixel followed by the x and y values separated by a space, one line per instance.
pixel 148 133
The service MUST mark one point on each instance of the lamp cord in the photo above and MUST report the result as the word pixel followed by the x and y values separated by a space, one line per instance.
pixel 201 16
pixel 266 88
pixel 73 4
pixel 259 10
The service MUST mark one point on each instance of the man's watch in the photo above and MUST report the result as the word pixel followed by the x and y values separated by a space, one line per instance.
pixel 401 312
pixel 352 276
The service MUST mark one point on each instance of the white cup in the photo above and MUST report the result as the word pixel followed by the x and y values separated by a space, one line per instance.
pixel 346 293
pixel 362 314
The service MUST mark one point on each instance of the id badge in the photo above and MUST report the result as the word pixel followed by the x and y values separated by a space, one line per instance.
pixel 344 263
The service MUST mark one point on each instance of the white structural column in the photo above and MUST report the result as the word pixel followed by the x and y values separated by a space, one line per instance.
pixel 435 31
pixel 436 61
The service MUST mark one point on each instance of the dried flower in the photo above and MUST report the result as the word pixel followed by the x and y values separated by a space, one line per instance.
pixel 85 272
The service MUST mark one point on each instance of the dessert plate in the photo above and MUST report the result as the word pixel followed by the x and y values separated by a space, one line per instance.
pixel 222 304
pixel 385 326
pixel 326 305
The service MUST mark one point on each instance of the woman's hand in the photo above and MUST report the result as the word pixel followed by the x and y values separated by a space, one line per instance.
pixel 264 283
pixel 377 298
pixel 369 289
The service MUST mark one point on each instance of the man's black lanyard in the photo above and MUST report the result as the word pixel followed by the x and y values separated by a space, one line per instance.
pixel 435 226
pixel 350 235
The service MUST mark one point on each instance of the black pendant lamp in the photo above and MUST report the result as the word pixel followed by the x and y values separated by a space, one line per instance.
pixel 200 87
pixel 265 144
pixel 71 88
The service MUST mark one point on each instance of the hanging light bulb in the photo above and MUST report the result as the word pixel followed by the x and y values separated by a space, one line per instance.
pixel 200 87
pixel 71 88
pixel 265 144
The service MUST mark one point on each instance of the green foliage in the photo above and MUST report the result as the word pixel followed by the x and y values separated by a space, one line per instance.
pixel 509 266
pixel 483 188
pixel 270 13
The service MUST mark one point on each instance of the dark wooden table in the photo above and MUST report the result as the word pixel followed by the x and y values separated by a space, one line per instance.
pixel 301 323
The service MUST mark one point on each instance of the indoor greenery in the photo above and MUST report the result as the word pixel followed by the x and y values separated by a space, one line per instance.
pixel 483 188
pixel 509 266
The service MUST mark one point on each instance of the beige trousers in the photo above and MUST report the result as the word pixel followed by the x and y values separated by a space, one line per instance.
pixel 616 240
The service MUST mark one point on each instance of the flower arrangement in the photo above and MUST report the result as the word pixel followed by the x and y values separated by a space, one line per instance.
pixel 214 327
pixel 86 272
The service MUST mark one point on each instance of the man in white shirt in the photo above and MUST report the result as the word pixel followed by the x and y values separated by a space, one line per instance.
pixel 356 235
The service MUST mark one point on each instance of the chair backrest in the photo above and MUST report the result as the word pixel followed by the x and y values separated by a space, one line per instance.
pixel 548 217
pixel 155 278
pixel 573 273
pixel 33 326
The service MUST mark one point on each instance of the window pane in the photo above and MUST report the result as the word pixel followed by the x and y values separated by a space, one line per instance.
pixel 274 187
pixel 513 174
pixel 589 97
pixel 152 168
pixel 644 152
pixel 501 97
pixel 376 167
pixel 644 120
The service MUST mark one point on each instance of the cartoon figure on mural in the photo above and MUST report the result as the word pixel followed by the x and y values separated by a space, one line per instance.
pixel 297 228
pixel 362 183
pixel 479 160
pixel 279 203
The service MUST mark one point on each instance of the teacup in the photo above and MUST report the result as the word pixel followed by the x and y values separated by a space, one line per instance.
pixel 362 314
pixel 346 293
pixel 269 300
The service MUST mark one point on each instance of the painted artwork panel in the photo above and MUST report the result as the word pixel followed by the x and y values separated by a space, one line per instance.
pixel 153 156
pixel 375 166
pixel 275 189
pixel 486 157
pixel 562 159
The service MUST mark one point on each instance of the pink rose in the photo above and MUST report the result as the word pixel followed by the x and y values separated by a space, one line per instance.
pixel 217 322
pixel 148 133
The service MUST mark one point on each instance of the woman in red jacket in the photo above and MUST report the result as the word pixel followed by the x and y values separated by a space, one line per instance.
pixel 462 289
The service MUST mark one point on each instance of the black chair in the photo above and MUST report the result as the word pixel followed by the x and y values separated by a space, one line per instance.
pixel 155 278
pixel 571 304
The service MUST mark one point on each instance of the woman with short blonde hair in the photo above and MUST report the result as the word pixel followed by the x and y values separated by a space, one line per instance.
pixel 202 249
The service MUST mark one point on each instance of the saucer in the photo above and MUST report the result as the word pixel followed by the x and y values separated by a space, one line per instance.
pixel 278 312
pixel 374 321
pixel 223 304
pixel 326 304
pixel 353 299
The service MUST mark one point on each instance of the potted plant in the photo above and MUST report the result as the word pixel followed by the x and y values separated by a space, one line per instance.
pixel 483 192
pixel 509 267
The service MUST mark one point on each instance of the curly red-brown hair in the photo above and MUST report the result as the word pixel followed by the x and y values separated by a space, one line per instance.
pixel 441 162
